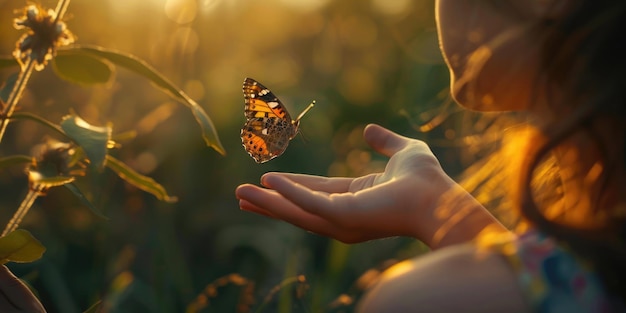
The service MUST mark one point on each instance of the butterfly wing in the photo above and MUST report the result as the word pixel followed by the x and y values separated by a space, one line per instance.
pixel 261 102
pixel 265 138
pixel 268 126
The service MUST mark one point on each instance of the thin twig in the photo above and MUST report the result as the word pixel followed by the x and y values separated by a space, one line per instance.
pixel 22 80
pixel 16 94
pixel 27 203
pixel 61 9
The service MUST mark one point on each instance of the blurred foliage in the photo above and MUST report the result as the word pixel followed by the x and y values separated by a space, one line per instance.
pixel 20 246
pixel 373 61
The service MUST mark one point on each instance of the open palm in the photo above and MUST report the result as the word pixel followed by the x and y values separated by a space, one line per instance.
pixel 405 199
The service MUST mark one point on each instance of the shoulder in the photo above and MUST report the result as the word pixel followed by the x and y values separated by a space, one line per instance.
pixel 461 278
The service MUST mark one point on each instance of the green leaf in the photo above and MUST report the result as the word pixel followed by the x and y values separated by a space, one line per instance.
pixel 40 120
pixel 132 63
pixel 20 246
pixel 8 61
pixel 5 92
pixel 82 68
pixel 84 200
pixel 142 182
pixel 95 308
pixel 91 138
pixel 15 160
pixel 39 178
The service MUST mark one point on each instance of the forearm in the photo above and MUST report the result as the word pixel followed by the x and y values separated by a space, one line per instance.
pixel 456 217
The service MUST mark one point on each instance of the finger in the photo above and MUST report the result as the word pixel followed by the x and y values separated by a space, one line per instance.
pixel 297 193
pixel 345 209
pixel 319 183
pixel 245 205
pixel 342 225
pixel 264 201
pixel 272 204
pixel 383 140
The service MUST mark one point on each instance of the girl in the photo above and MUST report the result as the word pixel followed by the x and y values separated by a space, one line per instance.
pixel 561 62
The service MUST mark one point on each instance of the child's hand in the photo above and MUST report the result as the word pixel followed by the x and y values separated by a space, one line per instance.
pixel 412 197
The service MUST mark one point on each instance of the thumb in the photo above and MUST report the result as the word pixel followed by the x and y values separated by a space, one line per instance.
pixel 383 140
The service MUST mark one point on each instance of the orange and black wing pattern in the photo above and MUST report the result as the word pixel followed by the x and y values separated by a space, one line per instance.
pixel 261 102
pixel 268 127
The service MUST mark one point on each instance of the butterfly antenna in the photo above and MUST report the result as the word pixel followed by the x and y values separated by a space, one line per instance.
pixel 306 110
pixel 303 136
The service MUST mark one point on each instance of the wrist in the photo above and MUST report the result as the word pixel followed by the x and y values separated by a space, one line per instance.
pixel 453 215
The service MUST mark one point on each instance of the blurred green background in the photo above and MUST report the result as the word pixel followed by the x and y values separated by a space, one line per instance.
pixel 363 61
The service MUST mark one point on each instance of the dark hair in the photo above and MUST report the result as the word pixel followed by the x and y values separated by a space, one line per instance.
pixel 585 55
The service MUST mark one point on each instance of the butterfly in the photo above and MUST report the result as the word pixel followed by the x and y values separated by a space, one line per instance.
pixel 269 127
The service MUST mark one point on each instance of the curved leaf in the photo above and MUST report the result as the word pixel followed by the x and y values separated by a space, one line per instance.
pixel 91 138
pixel 15 160
pixel 142 182
pixel 39 179
pixel 79 194
pixel 20 246
pixel 40 120
pixel 132 63
pixel 94 308
pixel 82 68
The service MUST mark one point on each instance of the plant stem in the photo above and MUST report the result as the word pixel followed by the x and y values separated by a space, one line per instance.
pixel 288 281
pixel 61 8
pixel 20 85
pixel 26 204
pixel 15 95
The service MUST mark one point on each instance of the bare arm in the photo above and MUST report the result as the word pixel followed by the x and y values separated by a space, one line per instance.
pixel 412 197
pixel 455 279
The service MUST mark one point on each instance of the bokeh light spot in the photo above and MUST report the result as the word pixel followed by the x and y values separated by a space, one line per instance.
pixel 391 7
pixel 305 5
pixel 145 162
pixel 358 32
pixel 359 86
pixel 195 89
pixel 181 11
pixel 186 39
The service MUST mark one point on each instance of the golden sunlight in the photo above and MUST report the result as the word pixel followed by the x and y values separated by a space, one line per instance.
pixel 181 11
pixel 391 7
pixel 399 269
pixel 305 5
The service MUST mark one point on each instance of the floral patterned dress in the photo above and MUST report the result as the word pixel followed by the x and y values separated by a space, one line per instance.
pixel 554 280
